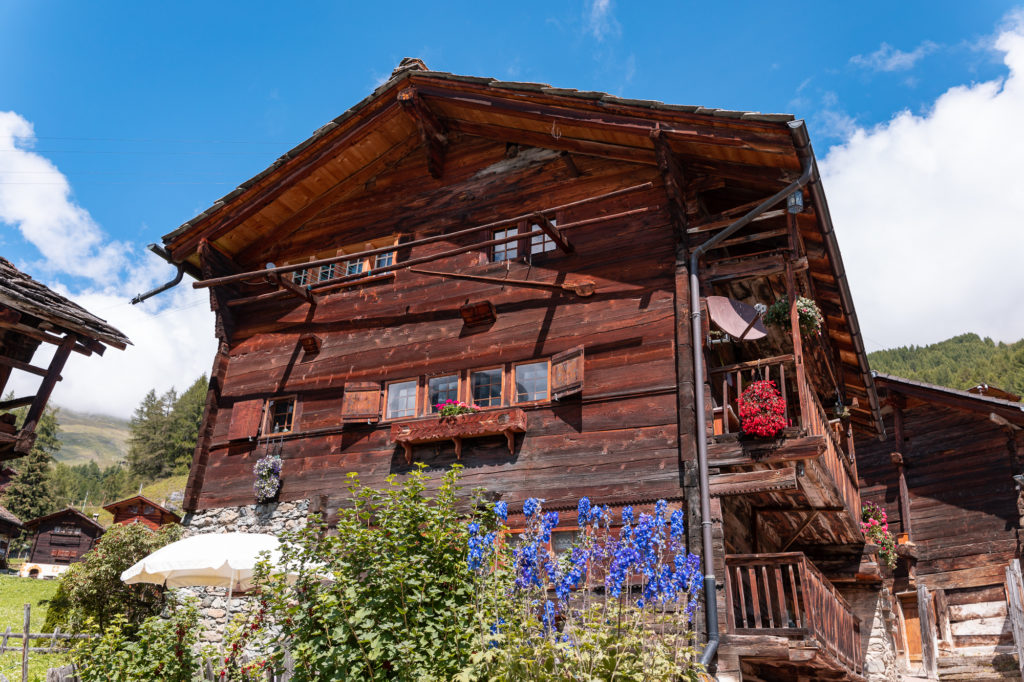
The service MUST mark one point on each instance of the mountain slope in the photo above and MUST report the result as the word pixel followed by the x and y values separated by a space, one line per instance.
pixel 92 437
pixel 960 362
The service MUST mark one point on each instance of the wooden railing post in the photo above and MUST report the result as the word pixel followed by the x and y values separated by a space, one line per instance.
pixel 24 643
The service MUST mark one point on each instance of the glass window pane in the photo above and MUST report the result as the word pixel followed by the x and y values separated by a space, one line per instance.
pixel 353 267
pixel 300 277
pixel 281 415
pixel 402 399
pixel 441 389
pixel 326 272
pixel 532 381
pixel 486 387
pixel 384 259
pixel 509 251
pixel 563 540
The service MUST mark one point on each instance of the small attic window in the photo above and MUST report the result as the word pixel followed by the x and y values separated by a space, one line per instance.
pixel 280 415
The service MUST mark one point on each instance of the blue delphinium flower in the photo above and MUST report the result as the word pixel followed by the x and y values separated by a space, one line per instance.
pixel 678 526
pixel 547 617
pixel 501 510
pixel 627 515
pixel 548 523
pixel 531 507
pixel 479 547
pixel 583 512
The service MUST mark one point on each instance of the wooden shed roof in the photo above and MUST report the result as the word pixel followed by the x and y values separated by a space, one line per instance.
pixel 1011 410
pixel 71 512
pixel 140 498
pixel 7 517
pixel 24 294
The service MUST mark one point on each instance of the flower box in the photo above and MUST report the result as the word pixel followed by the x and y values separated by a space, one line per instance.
pixel 507 422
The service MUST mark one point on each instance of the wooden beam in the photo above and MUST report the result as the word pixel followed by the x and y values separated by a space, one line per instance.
pixel 238 277
pixel 672 178
pixel 810 519
pixel 735 453
pixel 570 165
pixel 747 482
pixel 15 403
pixel 433 133
pixel 35 411
pixel 41 335
pixel 285 283
pixel 552 231
pixel 899 460
pixel 23 366
pixel 746 268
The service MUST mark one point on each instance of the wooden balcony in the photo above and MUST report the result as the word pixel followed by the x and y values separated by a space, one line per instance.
pixel 804 476
pixel 785 596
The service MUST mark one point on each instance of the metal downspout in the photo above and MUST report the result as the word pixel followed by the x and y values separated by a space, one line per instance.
pixel 800 140
pixel 163 287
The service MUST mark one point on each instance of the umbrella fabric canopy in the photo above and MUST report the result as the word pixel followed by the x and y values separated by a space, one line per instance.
pixel 213 559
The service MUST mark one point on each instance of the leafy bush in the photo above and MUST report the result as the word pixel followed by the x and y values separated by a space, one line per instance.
pixel 622 608
pixel 158 649
pixel 809 314
pixel 91 591
pixel 400 602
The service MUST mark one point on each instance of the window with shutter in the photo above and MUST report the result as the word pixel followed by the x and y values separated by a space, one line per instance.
pixel 567 373
pixel 245 419
pixel 361 402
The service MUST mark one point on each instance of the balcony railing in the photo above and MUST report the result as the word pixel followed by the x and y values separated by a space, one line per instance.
pixel 802 409
pixel 786 595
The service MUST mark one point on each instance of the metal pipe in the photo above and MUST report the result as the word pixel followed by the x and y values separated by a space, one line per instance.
pixel 710 584
pixel 155 248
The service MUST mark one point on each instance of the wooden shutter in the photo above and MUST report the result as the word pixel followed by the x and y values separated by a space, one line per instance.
pixel 567 373
pixel 361 402
pixel 245 419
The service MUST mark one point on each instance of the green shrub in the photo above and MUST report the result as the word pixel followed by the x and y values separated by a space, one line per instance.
pixel 91 590
pixel 162 649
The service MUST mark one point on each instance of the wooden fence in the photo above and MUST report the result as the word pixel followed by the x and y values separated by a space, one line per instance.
pixel 25 638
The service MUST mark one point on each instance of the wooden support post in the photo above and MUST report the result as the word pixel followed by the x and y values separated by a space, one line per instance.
pixel 672 177
pixel 214 264
pixel 570 165
pixel 433 132
pixel 552 231
pixel 1015 610
pixel 5 374
pixel 899 459
pixel 35 411
pixel 24 643
pixel 929 650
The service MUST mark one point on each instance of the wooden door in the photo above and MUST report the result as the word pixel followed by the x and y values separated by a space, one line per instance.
pixel 911 627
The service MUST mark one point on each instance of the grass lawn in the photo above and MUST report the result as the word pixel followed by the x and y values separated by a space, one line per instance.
pixel 14 594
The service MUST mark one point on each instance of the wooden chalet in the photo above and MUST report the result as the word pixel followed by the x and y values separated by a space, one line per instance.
pixel 32 314
pixel 141 509
pixel 532 249
pixel 58 540
pixel 10 528
pixel 948 475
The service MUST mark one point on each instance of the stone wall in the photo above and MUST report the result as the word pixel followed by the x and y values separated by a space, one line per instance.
pixel 273 518
pixel 872 604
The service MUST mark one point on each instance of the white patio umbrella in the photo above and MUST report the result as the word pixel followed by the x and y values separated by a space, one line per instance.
pixel 210 559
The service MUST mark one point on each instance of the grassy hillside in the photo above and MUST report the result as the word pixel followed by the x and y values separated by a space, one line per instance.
pixel 94 437
pixel 960 362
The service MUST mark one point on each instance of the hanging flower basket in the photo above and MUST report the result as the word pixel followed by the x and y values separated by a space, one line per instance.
pixel 810 315
pixel 268 478
pixel 875 527
pixel 762 410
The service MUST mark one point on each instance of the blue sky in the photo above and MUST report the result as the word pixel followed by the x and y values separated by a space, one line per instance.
pixel 139 115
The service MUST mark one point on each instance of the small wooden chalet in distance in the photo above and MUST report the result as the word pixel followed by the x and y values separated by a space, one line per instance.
pixel 949 475
pixel 141 509
pixel 544 252
pixel 32 314
pixel 10 528
pixel 59 540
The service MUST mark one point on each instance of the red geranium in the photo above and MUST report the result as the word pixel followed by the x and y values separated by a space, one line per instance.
pixel 762 409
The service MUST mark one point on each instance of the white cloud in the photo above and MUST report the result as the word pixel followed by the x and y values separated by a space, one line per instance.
pixel 172 334
pixel 600 19
pixel 36 198
pixel 889 58
pixel 928 213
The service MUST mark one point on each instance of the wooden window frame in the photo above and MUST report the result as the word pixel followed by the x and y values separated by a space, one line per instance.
pixel 504 233
pixel 268 416
pixel 514 393
pixel 502 383
pixel 428 407
pixel 417 380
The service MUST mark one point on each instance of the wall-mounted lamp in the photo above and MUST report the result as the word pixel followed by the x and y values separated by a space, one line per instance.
pixel 795 202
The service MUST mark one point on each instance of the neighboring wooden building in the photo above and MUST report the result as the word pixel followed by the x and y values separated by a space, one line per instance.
pixel 946 477
pixel 32 314
pixel 141 509
pixel 10 528
pixel 59 540
pixel 528 248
